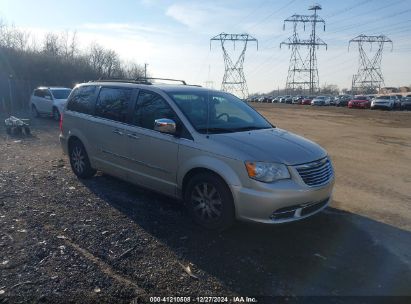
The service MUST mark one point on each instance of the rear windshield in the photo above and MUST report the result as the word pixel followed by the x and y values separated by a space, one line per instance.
pixel 60 93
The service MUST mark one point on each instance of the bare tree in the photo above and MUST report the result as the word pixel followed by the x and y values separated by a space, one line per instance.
pixel 330 89
pixel 134 70
pixel 97 58
pixel 13 38
pixel 68 44
pixel 51 45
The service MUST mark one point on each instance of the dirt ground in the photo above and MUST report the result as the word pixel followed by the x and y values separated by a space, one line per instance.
pixel 104 240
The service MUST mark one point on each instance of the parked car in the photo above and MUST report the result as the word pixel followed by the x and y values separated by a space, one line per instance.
pixel 342 100
pixel 320 101
pixel 307 100
pixel 359 101
pixel 332 100
pixel 384 102
pixel 397 102
pixel 277 99
pixel 406 103
pixel 270 99
pixel 205 147
pixel 49 101
pixel 297 99
pixel 288 99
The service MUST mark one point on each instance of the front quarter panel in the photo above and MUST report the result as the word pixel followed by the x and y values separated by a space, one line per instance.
pixel 231 170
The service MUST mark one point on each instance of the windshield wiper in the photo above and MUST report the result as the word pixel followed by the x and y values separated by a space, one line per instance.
pixel 215 130
pixel 231 130
pixel 249 128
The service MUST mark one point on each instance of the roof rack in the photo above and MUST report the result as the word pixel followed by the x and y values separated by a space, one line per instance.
pixel 140 80
pixel 121 80
pixel 154 78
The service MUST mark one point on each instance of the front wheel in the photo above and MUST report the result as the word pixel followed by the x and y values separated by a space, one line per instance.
pixel 210 202
pixel 79 161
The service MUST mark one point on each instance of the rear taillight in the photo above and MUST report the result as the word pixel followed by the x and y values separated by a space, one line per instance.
pixel 61 122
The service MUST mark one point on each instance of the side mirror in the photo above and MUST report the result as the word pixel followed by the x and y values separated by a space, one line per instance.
pixel 165 125
pixel 47 97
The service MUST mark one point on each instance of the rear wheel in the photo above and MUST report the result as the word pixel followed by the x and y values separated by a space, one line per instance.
pixel 56 114
pixel 210 201
pixel 79 161
pixel 34 111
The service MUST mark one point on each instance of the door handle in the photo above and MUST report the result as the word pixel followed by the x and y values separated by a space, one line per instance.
pixel 133 136
pixel 118 132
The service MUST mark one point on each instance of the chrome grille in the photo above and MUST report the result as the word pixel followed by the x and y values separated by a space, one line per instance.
pixel 316 173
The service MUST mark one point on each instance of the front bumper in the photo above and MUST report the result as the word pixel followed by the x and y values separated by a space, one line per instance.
pixel 381 106
pixel 359 106
pixel 280 202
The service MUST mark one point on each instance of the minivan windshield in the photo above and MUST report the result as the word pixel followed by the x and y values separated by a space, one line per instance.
pixel 218 112
pixel 60 93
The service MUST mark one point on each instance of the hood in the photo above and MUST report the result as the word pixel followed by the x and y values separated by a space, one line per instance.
pixel 271 145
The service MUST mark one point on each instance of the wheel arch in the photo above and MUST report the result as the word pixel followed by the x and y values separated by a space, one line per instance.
pixel 210 166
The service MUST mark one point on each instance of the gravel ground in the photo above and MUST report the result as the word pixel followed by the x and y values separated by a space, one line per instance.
pixel 104 240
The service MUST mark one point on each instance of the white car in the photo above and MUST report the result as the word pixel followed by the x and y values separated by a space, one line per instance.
pixel 321 101
pixel 383 102
pixel 49 101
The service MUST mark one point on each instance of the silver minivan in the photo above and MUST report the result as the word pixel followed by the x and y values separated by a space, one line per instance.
pixel 205 147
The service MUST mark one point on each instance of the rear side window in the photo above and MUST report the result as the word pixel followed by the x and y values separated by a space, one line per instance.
pixel 150 107
pixel 82 100
pixel 113 103
pixel 39 93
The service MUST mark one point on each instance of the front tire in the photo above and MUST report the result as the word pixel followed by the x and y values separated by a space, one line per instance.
pixel 210 202
pixel 79 161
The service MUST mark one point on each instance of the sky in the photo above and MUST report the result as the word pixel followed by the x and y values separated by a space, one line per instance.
pixel 173 37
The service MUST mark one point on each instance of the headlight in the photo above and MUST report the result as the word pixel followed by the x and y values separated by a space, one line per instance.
pixel 266 172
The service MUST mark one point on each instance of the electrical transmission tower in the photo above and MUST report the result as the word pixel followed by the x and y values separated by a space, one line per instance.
pixel 234 79
pixel 369 76
pixel 302 72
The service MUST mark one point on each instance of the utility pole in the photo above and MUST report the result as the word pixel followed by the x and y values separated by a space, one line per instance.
pixel 145 70
pixel 11 95
pixel 209 83
pixel 234 79
pixel 369 76
pixel 303 72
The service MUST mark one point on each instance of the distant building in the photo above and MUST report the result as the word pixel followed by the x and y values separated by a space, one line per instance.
pixel 405 89
pixel 388 90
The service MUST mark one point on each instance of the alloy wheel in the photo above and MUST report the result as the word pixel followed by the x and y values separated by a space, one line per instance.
pixel 78 158
pixel 206 202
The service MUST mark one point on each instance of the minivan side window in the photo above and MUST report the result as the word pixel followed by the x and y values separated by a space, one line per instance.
pixel 39 93
pixel 82 100
pixel 113 103
pixel 47 93
pixel 150 107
